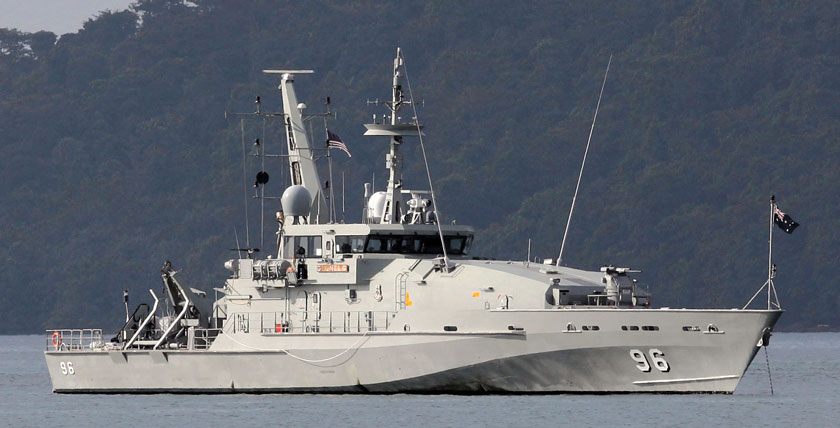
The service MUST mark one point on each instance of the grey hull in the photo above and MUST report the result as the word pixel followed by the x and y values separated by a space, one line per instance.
pixel 372 307
pixel 542 358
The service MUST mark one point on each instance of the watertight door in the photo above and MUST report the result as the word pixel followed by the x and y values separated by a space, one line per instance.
pixel 301 307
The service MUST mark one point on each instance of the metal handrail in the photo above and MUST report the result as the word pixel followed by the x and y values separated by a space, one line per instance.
pixel 310 321
pixel 204 337
pixel 77 339
pixel 69 339
pixel 145 321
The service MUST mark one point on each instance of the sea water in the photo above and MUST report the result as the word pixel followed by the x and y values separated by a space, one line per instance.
pixel 805 369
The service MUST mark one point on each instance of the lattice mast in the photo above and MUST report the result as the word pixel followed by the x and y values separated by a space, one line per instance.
pixel 392 126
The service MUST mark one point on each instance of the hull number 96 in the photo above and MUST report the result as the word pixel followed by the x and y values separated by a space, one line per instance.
pixel 67 368
pixel 656 358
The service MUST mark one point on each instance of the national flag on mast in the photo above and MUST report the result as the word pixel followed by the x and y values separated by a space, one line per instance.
pixel 784 221
pixel 334 140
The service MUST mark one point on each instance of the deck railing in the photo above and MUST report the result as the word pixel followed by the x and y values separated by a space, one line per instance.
pixel 241 322
pixel 74 339
pixel 86 339
pixel 309 322
pixel 204 337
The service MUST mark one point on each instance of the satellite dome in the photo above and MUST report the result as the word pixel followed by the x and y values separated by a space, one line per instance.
pixel 376 206
pixel 296 201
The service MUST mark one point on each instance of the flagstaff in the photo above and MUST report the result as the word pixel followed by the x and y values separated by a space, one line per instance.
pixel 788 225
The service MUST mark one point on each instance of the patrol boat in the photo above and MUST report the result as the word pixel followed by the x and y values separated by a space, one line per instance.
pixel 393 304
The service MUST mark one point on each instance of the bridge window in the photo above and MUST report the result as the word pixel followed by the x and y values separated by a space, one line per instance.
pixel 406 244
pixel 311 246
pixel 350 244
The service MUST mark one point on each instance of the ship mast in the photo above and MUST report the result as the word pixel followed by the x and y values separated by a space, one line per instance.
pixel 301 153
pixel 393 127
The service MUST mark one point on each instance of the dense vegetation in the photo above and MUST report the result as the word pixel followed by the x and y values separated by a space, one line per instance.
pixel 115 154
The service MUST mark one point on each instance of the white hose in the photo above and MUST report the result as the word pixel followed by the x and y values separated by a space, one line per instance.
pixel 358 342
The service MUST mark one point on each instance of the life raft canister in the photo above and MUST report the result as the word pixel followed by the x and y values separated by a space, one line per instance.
pixel 56 340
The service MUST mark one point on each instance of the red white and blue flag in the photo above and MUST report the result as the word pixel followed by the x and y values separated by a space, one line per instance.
pixel 784 221
pixel 334 140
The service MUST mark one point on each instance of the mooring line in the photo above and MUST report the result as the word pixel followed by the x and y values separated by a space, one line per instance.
pixel 770 376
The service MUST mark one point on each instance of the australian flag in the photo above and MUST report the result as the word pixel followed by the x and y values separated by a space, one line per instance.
pixel 784 221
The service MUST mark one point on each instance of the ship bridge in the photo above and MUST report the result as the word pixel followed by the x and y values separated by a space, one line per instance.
pixel 339 241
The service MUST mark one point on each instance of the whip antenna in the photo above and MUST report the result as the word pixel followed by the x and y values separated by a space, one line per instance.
pixel 425 162
pixel 582 164
pixel 245 183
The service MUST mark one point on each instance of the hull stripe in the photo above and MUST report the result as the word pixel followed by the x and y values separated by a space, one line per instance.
pixel 692 379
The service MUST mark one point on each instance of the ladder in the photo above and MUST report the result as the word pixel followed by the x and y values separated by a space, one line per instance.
pixel 400 289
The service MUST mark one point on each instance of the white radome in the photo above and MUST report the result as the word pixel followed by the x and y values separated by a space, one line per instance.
pixel 296 201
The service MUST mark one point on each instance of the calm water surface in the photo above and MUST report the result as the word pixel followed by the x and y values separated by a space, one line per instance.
pixel 805 369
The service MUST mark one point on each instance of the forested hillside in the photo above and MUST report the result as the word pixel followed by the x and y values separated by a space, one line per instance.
pixel 116 155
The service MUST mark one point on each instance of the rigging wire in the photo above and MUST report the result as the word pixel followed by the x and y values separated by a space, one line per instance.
pixel 582 164
pixel 262 187
pixel 245 183
pixel 426 163
pixel 284 151
pixel 238 247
